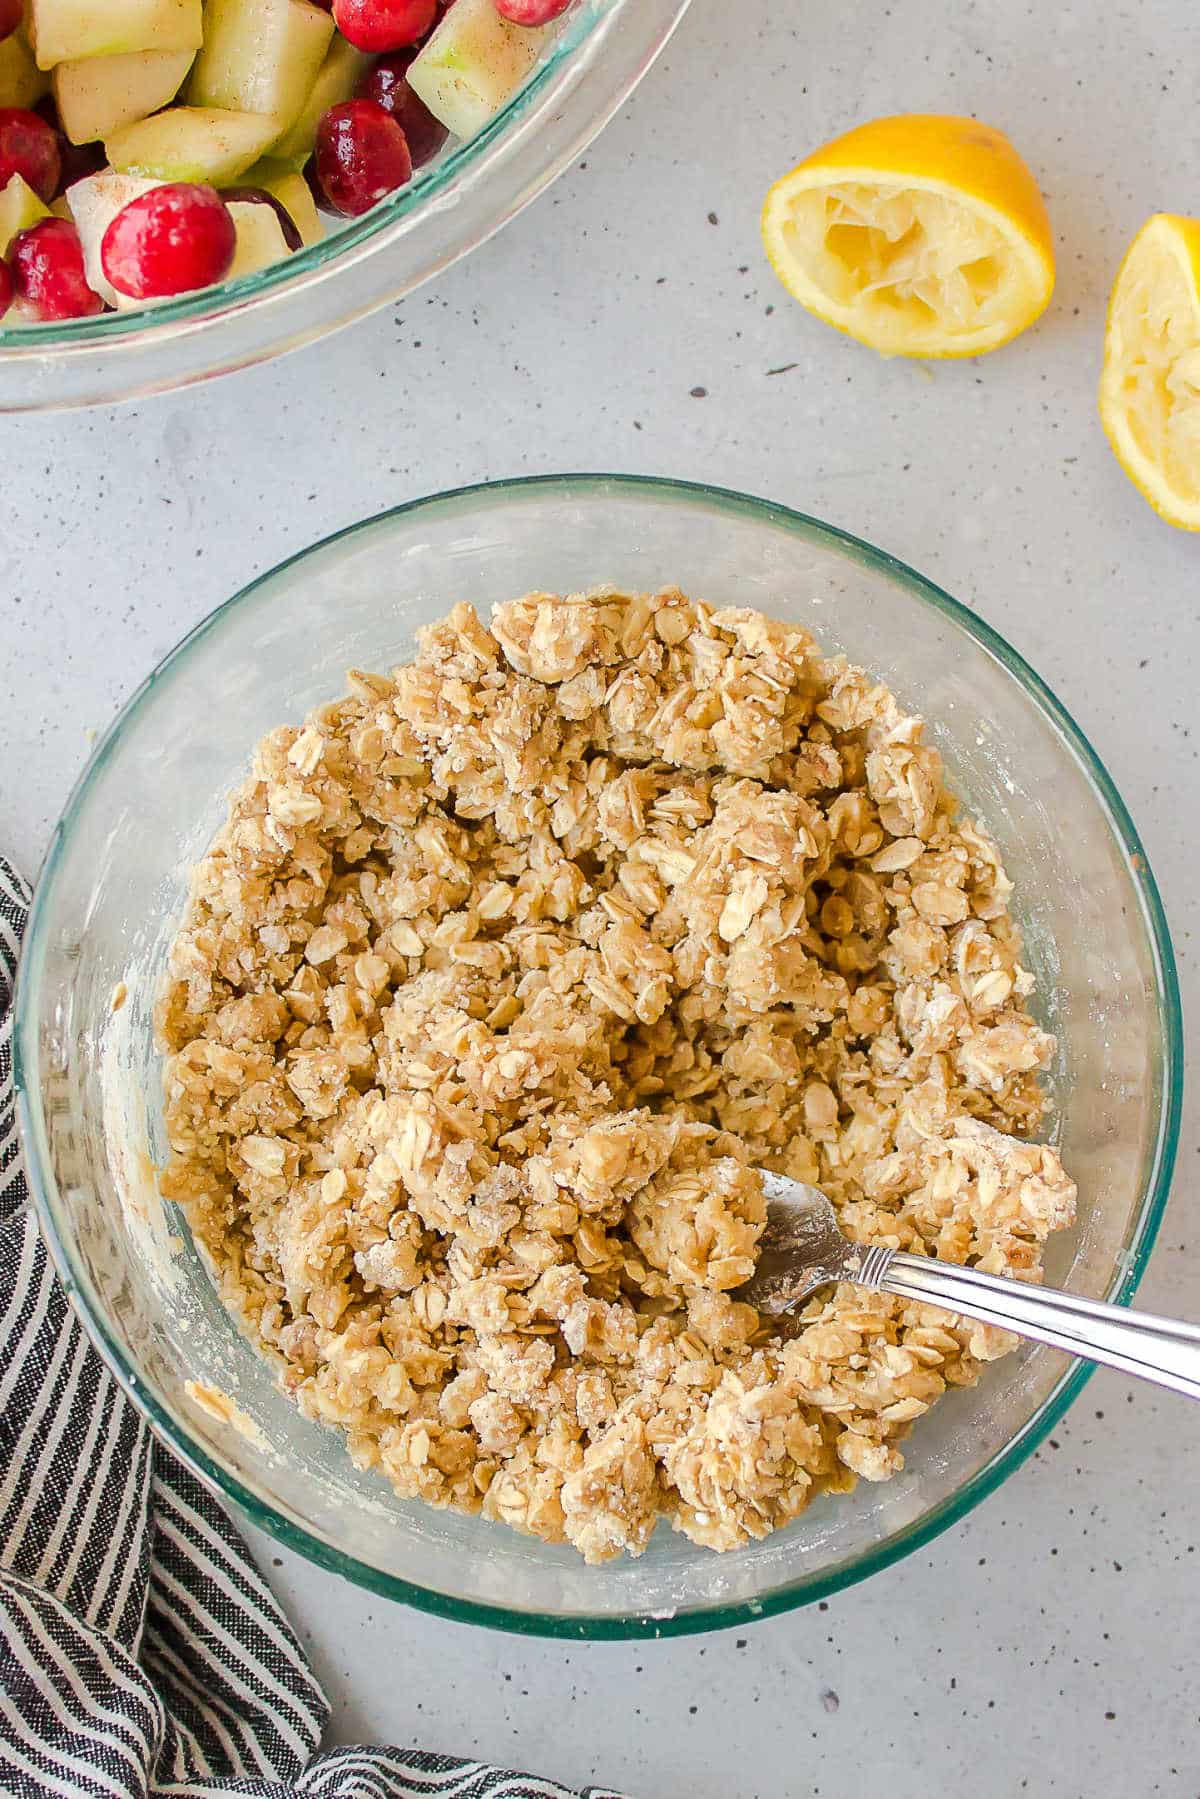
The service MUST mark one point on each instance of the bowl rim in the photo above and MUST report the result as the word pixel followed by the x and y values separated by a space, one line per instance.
pixel 87 347
pixel 297 1536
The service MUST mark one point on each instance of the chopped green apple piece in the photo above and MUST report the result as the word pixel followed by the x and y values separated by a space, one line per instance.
pixel 293 193
pixel 99 95
pixel 260 239
pixel 19 209
pixel 95 203
pixel 69 30
pixel 192 143
pixel 21 312
pixel 336 81
pixel 260 56
pixel 472 64
pixel 22 83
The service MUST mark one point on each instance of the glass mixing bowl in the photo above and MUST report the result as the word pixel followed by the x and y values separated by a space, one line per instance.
pixel 115 880
pixel 600 54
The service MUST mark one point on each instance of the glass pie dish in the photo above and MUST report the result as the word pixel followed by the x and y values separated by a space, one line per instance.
pixel 89 1077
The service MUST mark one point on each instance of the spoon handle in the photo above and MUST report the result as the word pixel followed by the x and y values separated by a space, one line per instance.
pixel 1155 1349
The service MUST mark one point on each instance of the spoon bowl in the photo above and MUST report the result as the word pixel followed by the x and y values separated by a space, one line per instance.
pixel 803 1249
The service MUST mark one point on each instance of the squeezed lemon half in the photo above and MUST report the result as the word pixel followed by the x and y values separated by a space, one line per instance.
pixel 921 235
pixel 1150 387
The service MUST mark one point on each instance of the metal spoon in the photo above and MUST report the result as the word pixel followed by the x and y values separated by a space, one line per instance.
pixel 802 1249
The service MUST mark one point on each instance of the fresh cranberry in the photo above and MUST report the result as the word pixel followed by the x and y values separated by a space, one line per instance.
pixel 169 241
pixel 531 12
pixel 362 154
pixel 384 24
pixel 259 196
pixel 47 264
pixel 387 85
pixel 10 17
pixel 29 148
pixel 7 287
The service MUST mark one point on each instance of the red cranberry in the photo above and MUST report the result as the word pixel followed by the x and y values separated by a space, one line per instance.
pixel 7 287
pixel 260 196
pixel 362 154
pixel 169 241
pixel 10 17
pixel 387 85
pixel 531 12
pixel 384 24
pixel 47 264
pixel 29 148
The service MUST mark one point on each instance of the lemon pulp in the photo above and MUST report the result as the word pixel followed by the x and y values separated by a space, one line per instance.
pixel 921 235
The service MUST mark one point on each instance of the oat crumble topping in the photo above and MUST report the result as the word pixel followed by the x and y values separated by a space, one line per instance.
pixel 502 977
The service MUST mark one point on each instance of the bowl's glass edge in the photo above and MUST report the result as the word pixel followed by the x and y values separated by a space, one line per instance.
pixel 289 1531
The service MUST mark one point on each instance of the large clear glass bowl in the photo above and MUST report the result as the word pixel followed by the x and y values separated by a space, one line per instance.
pixel 600 54
pixel 154 793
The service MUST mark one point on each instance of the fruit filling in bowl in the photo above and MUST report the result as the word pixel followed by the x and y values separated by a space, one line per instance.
pixel 152 148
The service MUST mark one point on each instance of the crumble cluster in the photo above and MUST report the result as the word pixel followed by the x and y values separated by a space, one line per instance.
pixel 504 975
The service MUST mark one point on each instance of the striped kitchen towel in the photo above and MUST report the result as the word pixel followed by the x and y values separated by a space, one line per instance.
pixel 141 1651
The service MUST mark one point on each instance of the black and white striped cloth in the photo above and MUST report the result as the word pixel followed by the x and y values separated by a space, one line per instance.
pixel 141 1652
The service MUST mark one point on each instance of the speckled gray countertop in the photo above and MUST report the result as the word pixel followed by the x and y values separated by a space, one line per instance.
pixel 1048 1644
